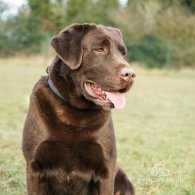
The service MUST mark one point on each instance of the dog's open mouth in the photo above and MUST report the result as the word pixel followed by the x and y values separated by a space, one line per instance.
pixel 105 97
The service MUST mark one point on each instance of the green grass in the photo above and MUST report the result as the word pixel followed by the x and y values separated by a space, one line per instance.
pixel 157 127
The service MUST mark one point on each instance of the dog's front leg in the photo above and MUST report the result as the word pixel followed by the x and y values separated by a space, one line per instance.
pixel 106 187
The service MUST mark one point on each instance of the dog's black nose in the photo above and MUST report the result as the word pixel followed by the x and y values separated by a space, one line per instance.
pixel 127 73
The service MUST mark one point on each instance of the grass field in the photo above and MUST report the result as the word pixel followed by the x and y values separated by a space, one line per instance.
pixel 155 132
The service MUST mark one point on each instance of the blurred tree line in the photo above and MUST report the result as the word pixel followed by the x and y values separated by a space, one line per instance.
pixel 157 33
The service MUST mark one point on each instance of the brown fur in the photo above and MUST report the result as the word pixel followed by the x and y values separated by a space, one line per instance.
pixel 69 142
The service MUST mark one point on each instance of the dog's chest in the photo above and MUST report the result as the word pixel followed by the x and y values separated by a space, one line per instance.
pixel 81 157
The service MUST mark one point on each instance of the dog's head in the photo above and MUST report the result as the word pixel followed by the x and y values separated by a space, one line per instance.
pixel 92 59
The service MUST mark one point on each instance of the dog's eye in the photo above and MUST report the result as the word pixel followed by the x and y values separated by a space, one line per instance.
pixel 101 49
pixel 124 53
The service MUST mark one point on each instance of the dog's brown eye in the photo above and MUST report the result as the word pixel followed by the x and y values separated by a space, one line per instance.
pixel 101 49
pixel 124 53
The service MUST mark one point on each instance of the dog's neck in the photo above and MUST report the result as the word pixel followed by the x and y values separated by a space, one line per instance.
pixel 53 88
pixel 50 82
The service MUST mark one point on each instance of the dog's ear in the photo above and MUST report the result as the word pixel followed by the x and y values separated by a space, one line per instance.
pixel 68 44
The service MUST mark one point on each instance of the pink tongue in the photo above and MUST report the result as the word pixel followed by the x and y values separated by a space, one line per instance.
pixel 118 99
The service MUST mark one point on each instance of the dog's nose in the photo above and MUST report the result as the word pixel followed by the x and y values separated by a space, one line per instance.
pixel 127 73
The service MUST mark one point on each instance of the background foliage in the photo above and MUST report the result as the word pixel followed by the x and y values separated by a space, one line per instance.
pixel 157 33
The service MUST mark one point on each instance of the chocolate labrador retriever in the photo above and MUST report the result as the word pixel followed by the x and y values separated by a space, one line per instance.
pixel 68 140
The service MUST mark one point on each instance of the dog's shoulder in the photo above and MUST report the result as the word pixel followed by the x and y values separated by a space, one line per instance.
pixel 41 92
pixel 40 84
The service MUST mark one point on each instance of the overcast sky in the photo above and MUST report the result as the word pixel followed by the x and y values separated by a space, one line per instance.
pixel 14 5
